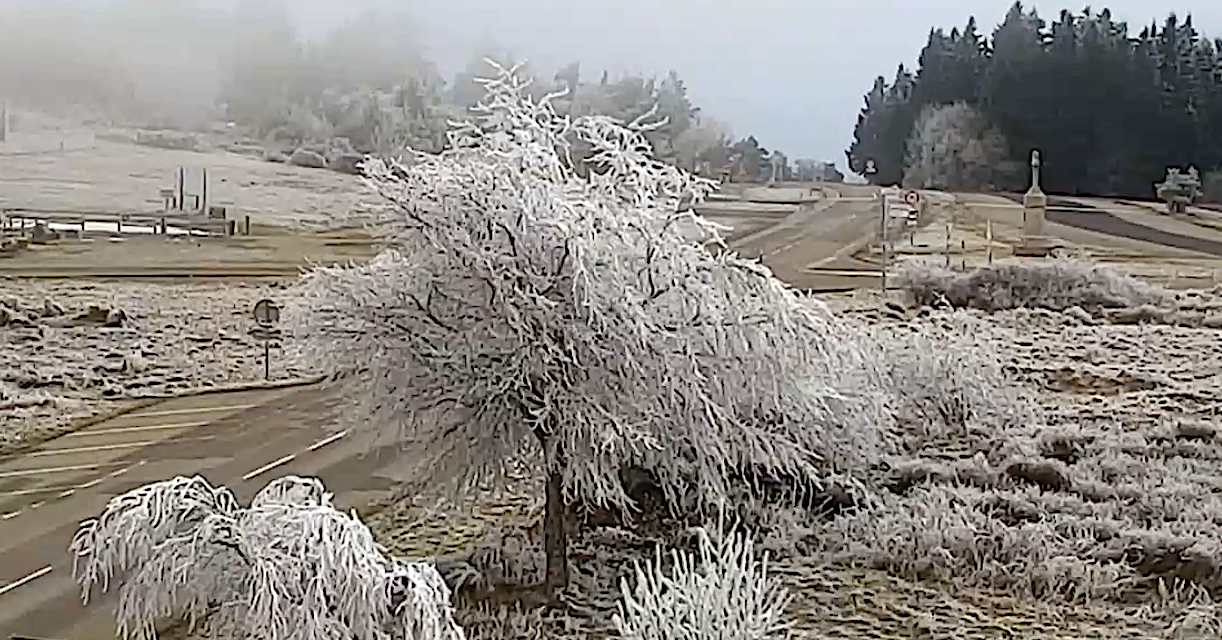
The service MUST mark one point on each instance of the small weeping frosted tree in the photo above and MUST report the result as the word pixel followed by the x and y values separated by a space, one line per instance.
pixel 288 567
pixel 528 310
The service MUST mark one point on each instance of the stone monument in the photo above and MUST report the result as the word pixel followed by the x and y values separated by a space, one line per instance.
pixel 1035 205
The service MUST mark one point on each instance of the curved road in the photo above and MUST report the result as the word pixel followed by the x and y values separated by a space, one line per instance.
pixel 821 233
pixel 241 440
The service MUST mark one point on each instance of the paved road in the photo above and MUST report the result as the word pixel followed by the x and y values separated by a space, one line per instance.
pixel 817 234
pixel 241 440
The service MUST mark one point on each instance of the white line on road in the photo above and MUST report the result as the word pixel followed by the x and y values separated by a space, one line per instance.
pixel 269 466
pixel 112 447
pixel 994 205
pixel 292 456
pixel 151 427
pixel 75 467
pixel 326 441
pixel 66 490
pixel 30 578
pixel 179 412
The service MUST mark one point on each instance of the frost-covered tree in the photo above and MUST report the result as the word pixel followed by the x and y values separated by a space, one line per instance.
pixel 954 147
pixel 288 567
pixel 584 322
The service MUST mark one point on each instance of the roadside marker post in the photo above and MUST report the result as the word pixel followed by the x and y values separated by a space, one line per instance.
pixel 882 196
pixel 988 236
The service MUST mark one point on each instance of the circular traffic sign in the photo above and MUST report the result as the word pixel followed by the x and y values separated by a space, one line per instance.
pixel 266 312
pixel 912 198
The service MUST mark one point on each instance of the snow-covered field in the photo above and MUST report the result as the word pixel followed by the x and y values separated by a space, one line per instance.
pixel 56 366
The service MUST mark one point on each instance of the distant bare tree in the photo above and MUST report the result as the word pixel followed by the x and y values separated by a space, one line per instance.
pixel 289 566
pixel 584 324
pixel 954 147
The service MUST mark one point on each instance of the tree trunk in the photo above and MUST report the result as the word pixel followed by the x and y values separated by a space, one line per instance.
pixel 555 539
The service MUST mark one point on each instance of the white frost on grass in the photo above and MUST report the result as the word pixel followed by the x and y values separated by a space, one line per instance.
pixel 175 337
pixel 1111 498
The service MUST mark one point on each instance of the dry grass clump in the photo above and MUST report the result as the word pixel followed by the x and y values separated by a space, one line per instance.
pixel 1055 284
pixel 943 381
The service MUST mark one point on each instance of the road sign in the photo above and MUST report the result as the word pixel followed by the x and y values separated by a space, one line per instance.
pixel 912 198
pixel 266 312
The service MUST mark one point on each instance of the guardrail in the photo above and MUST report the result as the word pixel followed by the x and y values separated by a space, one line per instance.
pixel 16 221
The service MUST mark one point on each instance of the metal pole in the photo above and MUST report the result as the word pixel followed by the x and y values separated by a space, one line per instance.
pixel 267 360
pixel 886 213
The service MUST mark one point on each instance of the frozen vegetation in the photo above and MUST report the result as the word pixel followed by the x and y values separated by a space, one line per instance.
pixel 559 350
pixel 71 349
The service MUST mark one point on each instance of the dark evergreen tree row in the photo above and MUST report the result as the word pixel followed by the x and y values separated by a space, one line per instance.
pixel 1109 111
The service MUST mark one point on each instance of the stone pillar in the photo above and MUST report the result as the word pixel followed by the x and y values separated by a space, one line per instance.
pixel 1035 205
pixel 3 121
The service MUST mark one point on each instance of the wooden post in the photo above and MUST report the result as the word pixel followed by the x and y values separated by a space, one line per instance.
pixel 247 225
pixel 988 236
pixel 948 226
pixel 119 225
pixel 883 270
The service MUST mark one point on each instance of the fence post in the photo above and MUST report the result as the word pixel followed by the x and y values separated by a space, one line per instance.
pixel 885 214
pixel 988 235
pixel 948 229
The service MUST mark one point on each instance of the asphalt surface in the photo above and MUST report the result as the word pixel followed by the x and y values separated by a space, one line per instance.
pixel 1073 213
pixel 241 440
pixel 821 234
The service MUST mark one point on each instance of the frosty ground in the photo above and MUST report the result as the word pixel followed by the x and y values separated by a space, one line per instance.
pixel 1106 527
pixel 1122 400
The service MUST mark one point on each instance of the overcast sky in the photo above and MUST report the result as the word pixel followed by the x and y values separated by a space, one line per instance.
pixel 792 72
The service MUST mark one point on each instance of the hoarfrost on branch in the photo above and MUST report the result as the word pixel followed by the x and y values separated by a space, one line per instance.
pixel 528 306
pixel 288 567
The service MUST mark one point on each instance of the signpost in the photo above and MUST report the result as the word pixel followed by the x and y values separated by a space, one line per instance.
pixel 267 314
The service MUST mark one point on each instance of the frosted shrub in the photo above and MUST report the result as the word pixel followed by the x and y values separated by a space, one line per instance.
pixel 722 592
pixel 288 567
pixel 943 380
pixel 1057 284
